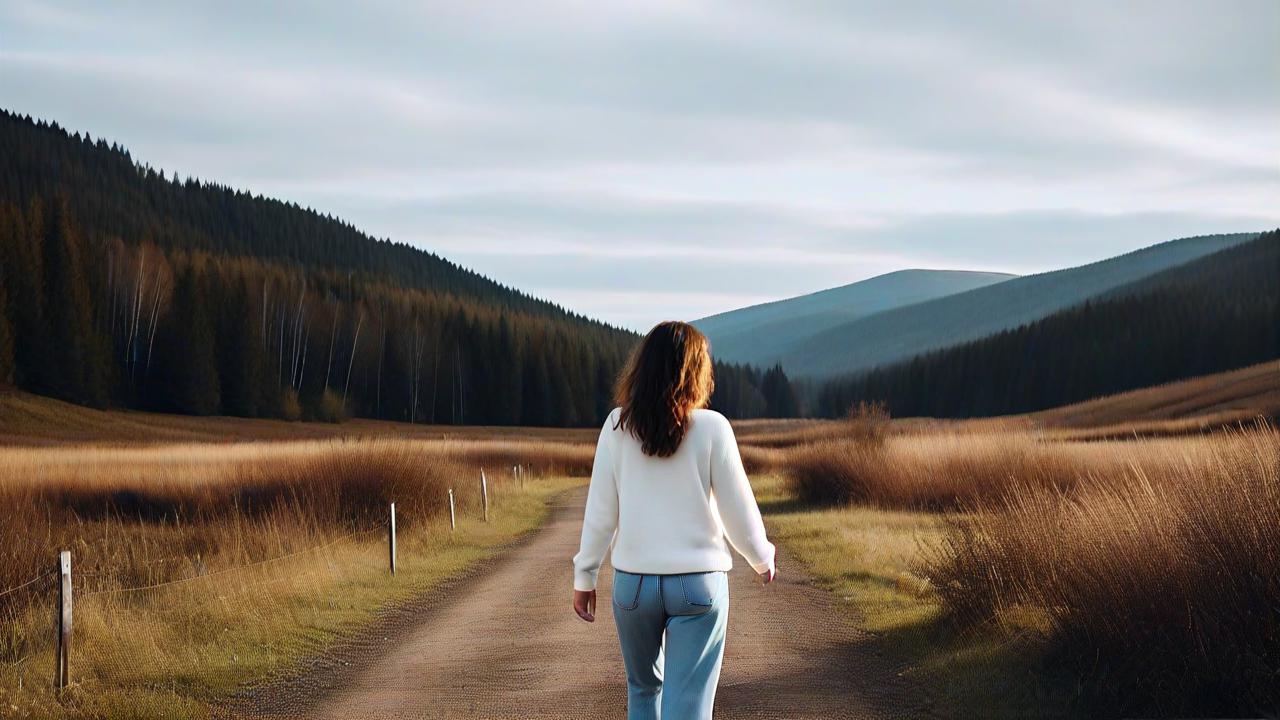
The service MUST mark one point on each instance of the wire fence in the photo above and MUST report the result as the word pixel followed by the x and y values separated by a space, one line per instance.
pixel 27 584
pixel 233 569
pixel 208 634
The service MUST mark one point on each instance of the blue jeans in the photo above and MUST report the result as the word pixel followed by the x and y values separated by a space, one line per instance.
pixel 683 617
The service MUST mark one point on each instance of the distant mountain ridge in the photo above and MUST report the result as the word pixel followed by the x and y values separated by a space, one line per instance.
pixel 762 334
pixel 907 331
pixel 1216 313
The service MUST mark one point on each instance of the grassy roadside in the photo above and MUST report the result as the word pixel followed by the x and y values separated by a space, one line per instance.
pixel 171 651
pixel 868 559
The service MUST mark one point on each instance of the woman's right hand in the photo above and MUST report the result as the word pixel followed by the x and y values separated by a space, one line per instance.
pixel 769 575
pixel 584 603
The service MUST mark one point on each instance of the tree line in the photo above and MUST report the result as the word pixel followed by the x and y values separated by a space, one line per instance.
pixel 1214 314
pixel 123 287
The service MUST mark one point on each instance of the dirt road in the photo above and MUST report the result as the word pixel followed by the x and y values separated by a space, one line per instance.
pixel 505 644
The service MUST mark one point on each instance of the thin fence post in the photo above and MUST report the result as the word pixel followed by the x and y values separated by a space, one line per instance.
pixel 391 535
pixel 453 518
pixel 484 493
pixel 62 656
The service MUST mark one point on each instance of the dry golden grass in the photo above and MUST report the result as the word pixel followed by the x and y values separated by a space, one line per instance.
pixel 1149 567
pixel 127 509
pixel 1226 397
pixel 32 420
pixel 262 553
pixel 1101 549
pixel 1159 580
pixel 873 560
pixel 946 470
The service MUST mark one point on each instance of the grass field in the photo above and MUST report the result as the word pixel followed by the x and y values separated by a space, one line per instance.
pixel 873 560
pixel 202 567
pixel 1064 563
pixel 1140 577
pixel 1192 405
pixel 33 420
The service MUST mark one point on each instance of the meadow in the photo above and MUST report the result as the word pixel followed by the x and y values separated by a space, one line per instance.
pixel 204 568
pixel 1141 575
pixel 1014 567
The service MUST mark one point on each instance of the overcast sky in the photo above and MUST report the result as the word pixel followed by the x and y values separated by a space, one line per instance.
pixel 637 161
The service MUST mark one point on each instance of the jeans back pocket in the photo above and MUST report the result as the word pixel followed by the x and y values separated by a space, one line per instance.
pixel 626 589
pixel 698 593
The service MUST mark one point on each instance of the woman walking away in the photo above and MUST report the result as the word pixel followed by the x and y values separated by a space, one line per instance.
pixel 666 490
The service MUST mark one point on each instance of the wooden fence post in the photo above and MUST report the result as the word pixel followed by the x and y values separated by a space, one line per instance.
pixel 453 519
pixel 484 493
pixel 391 534
pixel 62 655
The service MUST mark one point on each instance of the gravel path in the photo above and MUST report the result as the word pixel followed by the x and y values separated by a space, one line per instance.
pixel 504 643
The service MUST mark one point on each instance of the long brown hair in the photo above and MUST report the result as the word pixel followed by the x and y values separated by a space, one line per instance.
pixel 666 378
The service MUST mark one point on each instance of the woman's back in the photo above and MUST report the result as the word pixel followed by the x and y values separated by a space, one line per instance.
pixel 671 514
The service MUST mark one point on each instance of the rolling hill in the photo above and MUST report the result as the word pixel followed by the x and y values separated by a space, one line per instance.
pixel 1216 313
pixel 1191 405
pixel 763 334
pixel 904 332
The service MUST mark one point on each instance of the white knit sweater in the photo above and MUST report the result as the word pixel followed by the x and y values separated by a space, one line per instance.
pixel 670 515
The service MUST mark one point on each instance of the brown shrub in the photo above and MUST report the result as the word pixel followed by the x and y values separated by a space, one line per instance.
pixel 1157 582
pixel 956 471
pixel 930 472
pixel 835 472
pixel 867 424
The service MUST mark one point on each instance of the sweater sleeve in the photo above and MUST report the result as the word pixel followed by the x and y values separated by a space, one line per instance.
pixel 737 503
pixel 600 521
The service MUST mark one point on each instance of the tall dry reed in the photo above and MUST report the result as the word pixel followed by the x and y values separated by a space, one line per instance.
pixel 957 471
pixel 929 472
pixel 1150 566
pixel 1157 583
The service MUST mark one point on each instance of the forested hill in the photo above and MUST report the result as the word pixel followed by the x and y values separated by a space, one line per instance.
pixel 122 286
pixel 1217 313
pixel 112 196
pixel 905 332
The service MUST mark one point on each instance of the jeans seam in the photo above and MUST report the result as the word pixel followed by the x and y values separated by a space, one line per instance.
pixel 635 601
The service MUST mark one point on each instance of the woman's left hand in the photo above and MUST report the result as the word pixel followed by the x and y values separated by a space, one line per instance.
pixel 584 603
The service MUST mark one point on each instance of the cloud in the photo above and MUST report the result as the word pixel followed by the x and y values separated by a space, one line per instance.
pixel 638 160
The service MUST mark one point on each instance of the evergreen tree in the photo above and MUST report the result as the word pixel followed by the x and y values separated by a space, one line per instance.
pixel 6 339
pixel 780 399
pixel 538 404
pixel 238 351
pixel 509 388
pixel 20 242
pixel 190 367
pixel 78 359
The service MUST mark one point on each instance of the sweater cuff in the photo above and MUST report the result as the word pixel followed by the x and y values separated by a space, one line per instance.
pixel 766 561
pixel 584 580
